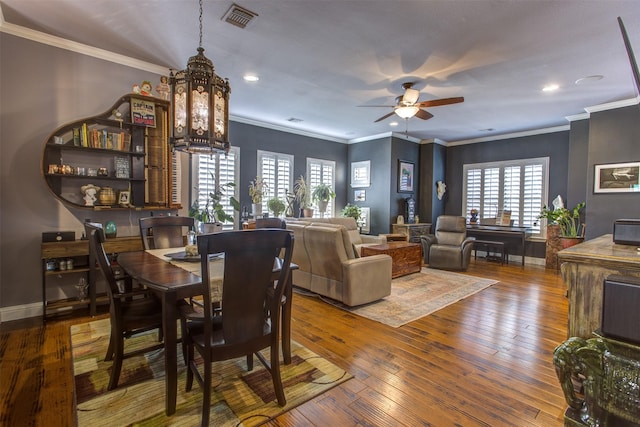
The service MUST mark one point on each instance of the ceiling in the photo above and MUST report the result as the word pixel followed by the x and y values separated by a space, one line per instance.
pixel 319 61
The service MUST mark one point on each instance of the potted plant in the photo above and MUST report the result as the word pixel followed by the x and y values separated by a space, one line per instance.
pixel 256 191
pixel 213 211
pixel 568 221
pixel 321 194
pixel 276 206
pixel 303 196
pixel 353 211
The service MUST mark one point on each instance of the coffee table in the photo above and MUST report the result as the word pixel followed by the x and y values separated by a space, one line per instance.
pixel 406 257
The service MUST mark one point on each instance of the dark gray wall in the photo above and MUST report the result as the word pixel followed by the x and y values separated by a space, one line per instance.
pixel 614 137
pixel 378 152
pixel 552 145
pixel 251 138
pixel 577 182
pixel 401 149
pixel 432 169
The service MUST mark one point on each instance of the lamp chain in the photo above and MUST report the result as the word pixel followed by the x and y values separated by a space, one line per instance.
pixel 200 18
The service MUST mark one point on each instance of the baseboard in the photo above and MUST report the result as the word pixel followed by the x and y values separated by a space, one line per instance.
pixel 18 312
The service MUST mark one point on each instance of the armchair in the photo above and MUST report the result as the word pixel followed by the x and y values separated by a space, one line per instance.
pixel 449 248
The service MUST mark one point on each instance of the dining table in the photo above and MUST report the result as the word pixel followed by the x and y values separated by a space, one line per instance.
pixel 174 281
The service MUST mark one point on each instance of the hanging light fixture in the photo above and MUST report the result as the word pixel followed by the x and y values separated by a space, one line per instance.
pixel 200 106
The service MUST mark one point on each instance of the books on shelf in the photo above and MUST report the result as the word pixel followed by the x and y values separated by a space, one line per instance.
pixel 93 137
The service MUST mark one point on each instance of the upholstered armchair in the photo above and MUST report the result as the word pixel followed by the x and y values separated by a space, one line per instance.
pixel 449 248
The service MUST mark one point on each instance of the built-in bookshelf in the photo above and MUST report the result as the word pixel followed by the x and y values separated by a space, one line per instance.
pixel 123 150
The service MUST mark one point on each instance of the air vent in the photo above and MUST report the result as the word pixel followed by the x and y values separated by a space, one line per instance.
pixel 239 16
pixel 294 120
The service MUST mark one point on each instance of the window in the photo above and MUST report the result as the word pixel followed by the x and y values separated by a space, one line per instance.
pixel 218 169
pixel 276 169
pixel 520 186
pixel 321 171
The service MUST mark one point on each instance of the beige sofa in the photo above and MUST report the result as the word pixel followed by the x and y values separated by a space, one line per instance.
pixel 328 265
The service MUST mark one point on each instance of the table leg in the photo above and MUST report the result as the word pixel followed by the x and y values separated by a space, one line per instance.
pixel 169 318
pixel 286 322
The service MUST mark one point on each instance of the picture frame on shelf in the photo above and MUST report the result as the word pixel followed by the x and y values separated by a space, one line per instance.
pixel 406 176
pixel 124 198
pixel 361 174
pixel 617 178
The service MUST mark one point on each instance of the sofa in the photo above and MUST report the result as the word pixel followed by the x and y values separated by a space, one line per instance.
pixel 329 263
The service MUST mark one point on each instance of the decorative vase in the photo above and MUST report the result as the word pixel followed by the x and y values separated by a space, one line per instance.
pixel 211 227
pixel 256 210
pixel 107 196
pixel 110 230
pixel 308 212
pixel 322 206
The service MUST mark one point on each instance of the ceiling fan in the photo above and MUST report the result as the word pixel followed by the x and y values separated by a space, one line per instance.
pixel 407 105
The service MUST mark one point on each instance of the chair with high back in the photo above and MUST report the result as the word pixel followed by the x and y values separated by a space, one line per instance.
pixel 251 306
pixel 130 313
pixel 167 231
pixel 449 248
pixel 270 223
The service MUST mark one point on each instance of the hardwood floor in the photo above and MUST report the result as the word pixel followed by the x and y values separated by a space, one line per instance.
pixel 484 361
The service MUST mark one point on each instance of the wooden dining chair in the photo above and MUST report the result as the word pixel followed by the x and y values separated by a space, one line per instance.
pixel 251 306
pixel 130 313
pixel 161 232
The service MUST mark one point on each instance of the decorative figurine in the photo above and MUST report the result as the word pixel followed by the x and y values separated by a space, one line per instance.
pixel 163 88
pixel 89 191
pixel 146 88
pixel 441 189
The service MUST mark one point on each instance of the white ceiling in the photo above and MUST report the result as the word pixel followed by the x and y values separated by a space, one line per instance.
pixel 319 60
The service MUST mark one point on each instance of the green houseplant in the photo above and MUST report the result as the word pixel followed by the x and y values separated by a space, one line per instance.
pixel 303 196
pixel 353 211
pixel 568 221
pixel 321 194
pixel 276 206
pixel 257 188
pixel 213 210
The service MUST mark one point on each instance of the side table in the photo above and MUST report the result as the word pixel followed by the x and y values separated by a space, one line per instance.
pixel 412 231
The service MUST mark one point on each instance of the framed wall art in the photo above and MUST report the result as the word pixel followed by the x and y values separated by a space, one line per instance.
pixel 359 195
pixel 365 218
pixel 124 198
pixel 617 178
pixel 361 174
pixel 406 176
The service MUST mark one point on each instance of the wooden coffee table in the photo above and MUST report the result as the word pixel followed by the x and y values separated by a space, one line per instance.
pixel 406 257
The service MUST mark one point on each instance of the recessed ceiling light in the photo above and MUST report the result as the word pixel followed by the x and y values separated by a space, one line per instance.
pixel 550 88
pixel 250 78
pixel 393 124
pixel 589 79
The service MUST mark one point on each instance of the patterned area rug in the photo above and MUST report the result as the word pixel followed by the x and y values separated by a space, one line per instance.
pixel 419 294
pixel 239 397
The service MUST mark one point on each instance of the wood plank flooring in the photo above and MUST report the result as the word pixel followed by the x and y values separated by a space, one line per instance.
pixel 484 361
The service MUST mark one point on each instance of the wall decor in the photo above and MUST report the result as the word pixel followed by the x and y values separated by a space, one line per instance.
pixel 361 174
pixel 359 195
pixel 617 178
pixel 405 176
pixel 365 219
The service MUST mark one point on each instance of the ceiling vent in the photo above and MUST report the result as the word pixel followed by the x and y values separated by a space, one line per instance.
pixel 294 120
pixel 239 16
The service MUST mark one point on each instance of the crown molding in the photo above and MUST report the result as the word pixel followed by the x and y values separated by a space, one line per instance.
pixel 281 128
pixel 613 105
pixel 509 135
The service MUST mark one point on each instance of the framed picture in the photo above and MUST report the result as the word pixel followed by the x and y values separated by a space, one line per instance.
pixel 365 226
pixel 124 198
pixel 406 176
pixel 617 178
pixel 360 174
pixel 359 195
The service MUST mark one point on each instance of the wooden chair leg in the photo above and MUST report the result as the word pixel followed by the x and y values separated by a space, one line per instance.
pixel 206 393
pixel 275 374
pixel 117 362
pixel 109 356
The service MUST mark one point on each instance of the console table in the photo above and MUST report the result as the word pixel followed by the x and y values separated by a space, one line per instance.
pixel 516 236
pixel 584 268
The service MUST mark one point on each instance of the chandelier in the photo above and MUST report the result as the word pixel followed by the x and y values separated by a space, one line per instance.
pixel 200 106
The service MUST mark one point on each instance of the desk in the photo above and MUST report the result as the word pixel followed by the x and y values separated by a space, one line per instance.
pixel 172 284
pixel 584 268
pixel 501 233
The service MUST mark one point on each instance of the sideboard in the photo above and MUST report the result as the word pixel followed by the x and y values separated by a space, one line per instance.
pixel 584 268
pixel 413 231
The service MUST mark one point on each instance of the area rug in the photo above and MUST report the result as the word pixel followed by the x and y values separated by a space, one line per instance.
pixel 239 397
pixel 419 294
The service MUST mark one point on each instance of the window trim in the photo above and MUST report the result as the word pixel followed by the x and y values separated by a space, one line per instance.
pixel 277 156
pixel 332 205
pixel 501 165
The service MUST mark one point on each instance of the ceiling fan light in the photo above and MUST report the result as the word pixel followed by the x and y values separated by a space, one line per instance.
pixel 410 96
pixel 407 112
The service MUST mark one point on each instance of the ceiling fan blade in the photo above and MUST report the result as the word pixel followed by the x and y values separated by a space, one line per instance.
pixel 384 117
pixel 387 106
pixel 423 114
pixel 438 102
